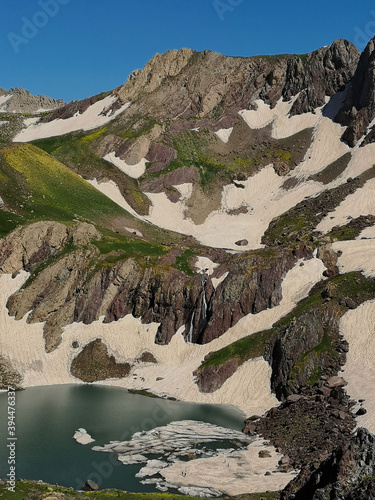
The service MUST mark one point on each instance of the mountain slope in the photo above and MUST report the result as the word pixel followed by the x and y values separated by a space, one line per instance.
pixel 241 263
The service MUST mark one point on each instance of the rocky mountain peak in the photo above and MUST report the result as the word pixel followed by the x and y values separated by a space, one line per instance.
pixel 161 66
pixel 358 110
pixel 324 72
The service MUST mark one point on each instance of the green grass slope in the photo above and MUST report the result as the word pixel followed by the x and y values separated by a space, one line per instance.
pixel 31 490
pixel 75 151
pixel 35 186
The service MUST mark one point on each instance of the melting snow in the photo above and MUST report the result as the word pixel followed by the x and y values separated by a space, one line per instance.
pixel 97 115
pixel 134 171
pixel 359 370
pixel 224 134
pixel 205 265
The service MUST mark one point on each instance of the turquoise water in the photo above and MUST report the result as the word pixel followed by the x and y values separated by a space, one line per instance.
pixel 47 417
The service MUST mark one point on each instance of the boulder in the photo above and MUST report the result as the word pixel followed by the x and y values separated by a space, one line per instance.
pixel 335 382
pixel 241 243
pixel 90 486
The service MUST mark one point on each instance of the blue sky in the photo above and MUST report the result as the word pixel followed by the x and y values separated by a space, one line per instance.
pixel 72 49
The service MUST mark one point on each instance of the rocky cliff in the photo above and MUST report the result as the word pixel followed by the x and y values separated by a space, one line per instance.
pixel 75 287
pixel 358 109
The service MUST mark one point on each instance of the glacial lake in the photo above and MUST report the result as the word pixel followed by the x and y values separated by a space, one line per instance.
pixel 47 418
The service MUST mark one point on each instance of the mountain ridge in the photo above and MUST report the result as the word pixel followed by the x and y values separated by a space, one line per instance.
pixel 19 100
pixel 232 240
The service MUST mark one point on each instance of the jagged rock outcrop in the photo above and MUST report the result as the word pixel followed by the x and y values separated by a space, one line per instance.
pixel 175 300
pixel 294 356
pixel 47 294
pixel 358 110
pixel 22 101
pixel 202 81
pixel 160 67
pixel 326 71
pixel 310 345
pixel 27 246
pixel 314 423
pixel 347 474
pixel 307 428
pixel 51 294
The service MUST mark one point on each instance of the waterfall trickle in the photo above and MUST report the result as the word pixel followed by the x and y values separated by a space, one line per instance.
pixel 202 315
pixel 204 305
pixel 189 337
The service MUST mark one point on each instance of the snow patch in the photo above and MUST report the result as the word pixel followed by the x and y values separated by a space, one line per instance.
pixel 97 115
pixel 357 255
pixel 283 125
pixel 216 281
pixel 359 370
pixel 224 134
pixel 205 265
pixel 367 233
pixel 134 171
pixel 111 190
pixel 361 202
pixel 31 121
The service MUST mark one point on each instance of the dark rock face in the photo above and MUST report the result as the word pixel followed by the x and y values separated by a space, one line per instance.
pixel 359 107
pixel 311 430
pixel 175 300
pixel 160 156
pixel 147 357
pixel 251 286
pixel 314 423
pixel 325 72
pixel 291 366
pixel 172 298
pixel 68 290
pixel 348 473
pixel 213 377
pixel 173 178
pixel 242 243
